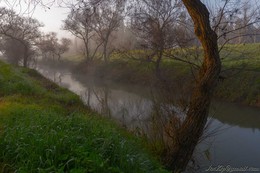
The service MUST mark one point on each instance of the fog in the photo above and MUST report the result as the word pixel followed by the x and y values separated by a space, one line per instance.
pixel 142 65
pixel 51 15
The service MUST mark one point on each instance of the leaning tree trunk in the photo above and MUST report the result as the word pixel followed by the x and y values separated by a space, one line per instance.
pixel 193 126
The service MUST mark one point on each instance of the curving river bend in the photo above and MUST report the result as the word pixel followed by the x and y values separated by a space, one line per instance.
pixel 234 130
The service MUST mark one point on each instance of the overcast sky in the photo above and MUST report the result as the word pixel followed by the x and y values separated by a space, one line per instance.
pixel 51 18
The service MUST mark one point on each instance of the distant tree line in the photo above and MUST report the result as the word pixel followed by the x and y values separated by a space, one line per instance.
pixel 21 40
pixel 155 27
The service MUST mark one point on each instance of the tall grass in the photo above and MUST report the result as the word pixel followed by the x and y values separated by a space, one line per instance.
pixel 43 141
pixel 45 128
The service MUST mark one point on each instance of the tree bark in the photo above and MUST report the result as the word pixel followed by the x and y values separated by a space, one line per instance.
pixel 25 55
pixel 105 51
pixel 194 123
pixel 158 63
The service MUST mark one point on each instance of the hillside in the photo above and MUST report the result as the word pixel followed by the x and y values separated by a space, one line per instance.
pixel 46 128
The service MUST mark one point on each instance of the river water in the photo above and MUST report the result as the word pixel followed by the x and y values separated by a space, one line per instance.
pixel 233 138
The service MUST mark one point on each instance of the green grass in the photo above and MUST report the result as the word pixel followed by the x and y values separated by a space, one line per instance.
pixel 45 128
pixel 241 67
pixel 74 58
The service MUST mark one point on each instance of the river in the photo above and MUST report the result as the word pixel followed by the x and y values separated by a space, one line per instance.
pixel 232 138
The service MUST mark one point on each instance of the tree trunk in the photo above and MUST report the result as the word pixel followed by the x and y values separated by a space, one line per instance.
pixel 105 52
pixel 25 56
pixel 157 67
pixel 106 58
pixel 86 52
pixel 158 72
pixel 194 123
pixel 87 56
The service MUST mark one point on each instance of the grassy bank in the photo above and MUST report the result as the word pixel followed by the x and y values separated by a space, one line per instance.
pixel 45 128
pixel 240 73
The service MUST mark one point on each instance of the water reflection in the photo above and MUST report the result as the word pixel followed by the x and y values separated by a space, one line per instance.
pixel 236 142
pixel 237 115
pixel 129 109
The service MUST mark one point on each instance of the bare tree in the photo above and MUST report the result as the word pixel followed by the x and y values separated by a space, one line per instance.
pixel 154 23
pixel 22 29
pixel 234 21
pixel 80 23
pixel 94 22
pixel 62 47
pixel 12 50
pixel 51 46
pixel 108 17
pixel 47 44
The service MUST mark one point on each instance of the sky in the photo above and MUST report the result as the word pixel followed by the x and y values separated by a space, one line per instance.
pixel 51 18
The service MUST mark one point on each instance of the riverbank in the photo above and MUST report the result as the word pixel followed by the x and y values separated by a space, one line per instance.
pixel 133 107
pixel 239 82
pixel 46 128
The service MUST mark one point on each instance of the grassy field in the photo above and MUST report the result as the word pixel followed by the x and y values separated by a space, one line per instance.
pixel 241 69
pixel 240 72
pixel 46 128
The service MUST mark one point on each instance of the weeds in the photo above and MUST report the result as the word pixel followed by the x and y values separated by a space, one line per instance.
pixel 47 129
